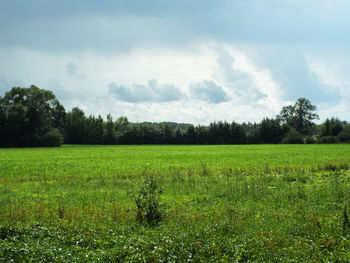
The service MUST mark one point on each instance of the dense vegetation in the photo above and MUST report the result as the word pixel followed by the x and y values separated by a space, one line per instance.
pixel 252 203
pixel 34 117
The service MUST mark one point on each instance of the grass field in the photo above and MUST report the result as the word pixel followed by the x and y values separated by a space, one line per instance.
pixel 258 203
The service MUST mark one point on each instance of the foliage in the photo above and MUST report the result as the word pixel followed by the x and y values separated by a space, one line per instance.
pixel 299 116
pixel 270 131
pixel 52 138
pixel 27 114
pixel 310 140
pixel 328 139
pixel 149 208
pixel 110 135
pixel 293 137
pixel 331 127
pixel 344 136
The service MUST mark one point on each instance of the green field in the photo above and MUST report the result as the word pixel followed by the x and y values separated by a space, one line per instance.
pixel 252 203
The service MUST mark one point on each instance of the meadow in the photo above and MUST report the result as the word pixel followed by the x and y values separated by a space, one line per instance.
pixel 251 203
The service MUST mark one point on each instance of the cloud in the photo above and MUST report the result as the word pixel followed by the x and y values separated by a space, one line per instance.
pixel 289 68
pixel 151 92
pixel 240 83
pixel 72 69
pixel 116 26
pixel 208 90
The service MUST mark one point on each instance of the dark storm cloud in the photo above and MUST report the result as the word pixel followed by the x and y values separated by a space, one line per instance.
pixel 151 92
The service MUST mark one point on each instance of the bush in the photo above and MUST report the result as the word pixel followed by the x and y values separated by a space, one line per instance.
pixel 149 208
pixel 328 139
pixel 344 136
pixel 52 138
pixel 310 140
pixel 293 137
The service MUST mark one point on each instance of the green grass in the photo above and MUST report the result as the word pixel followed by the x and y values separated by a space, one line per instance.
pixel 253 203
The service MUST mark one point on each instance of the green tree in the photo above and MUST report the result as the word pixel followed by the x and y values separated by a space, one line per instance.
pixel 237 134
pixel 191 135
pixel 167 133
pixel 29 116
pixel 110 136
pixel 179 136
pixel 270 131
pixel 202 134
pixel 299 116
pixel 293 137
pixel 76 127
pixel 331 127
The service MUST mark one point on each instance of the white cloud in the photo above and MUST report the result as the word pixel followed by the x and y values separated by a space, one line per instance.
pixel 151 92
pixel 251 89
pixel 208 90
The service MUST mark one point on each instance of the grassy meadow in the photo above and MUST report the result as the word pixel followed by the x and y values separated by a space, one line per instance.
pixel 251 203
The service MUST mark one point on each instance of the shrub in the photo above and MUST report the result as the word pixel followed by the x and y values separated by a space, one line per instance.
pixel 310 140
pixel 293 137
pixel 149 208
pixel 344 136
pixel 52 138
pixel 328 139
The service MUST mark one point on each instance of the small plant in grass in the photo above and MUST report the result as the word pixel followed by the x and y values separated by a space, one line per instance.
pixel 149 208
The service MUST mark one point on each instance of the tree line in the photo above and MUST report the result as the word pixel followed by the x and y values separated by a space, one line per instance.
pixel 31 117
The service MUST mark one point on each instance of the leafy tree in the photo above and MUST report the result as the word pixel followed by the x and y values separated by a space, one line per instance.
pixel 293 137
pixel 27 114
pixel 344 136
pixel 310 140
pixel 53 138
pixel 299 116
pixel 328 139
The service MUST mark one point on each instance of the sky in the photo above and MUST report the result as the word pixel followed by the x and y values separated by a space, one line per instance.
pixel 193 61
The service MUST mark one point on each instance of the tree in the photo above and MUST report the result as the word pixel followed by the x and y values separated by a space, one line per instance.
pixel 202 134
pixel 293 137
pixel 167 133
pixel 270 131
pixel 110 136
pixel 331 127
pixel 29 116
pixel 191 135
pixel 299 116
pixel 179 136
pixel 76 126
pixel 237 134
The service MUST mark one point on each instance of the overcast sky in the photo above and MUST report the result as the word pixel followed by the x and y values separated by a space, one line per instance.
pixel 186 60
